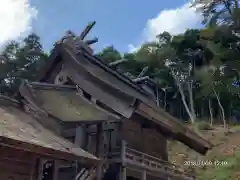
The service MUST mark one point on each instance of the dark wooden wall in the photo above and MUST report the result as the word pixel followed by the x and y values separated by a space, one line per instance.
pixel 54 72
pixel 110 137
pixel 144 139
pixel 17 165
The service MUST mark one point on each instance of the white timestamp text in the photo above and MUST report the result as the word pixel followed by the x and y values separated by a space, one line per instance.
pixel 200 163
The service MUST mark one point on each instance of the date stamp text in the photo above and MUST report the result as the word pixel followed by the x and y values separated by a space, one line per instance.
pixel 202 163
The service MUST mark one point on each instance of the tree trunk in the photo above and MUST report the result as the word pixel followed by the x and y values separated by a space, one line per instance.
pixel 157 98
pixel 210 111
pixel 203 110
pixel 165 100
pixel 221 107
pixel 190 88
pixel 230 112
pixel 183 98
pixel 191 102
pixel 192 118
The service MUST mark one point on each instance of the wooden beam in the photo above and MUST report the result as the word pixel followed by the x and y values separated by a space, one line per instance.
pixel 141 79
pixel 115 63
pixel 144 70
pixel 41 85
pixel 91 41
pixel 87 30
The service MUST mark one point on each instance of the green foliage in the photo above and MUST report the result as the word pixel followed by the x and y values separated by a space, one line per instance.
pixel 22 61
pixel 207 58
pixel 228 171
pixel 109 54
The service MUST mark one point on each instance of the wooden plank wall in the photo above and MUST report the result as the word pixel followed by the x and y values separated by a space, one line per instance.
pixel 145 140
pixel 17 165
pixel 86 137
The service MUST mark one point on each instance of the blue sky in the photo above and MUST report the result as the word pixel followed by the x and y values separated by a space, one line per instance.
pixel 124 24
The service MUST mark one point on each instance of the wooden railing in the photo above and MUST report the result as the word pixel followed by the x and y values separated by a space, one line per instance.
pixel 154 164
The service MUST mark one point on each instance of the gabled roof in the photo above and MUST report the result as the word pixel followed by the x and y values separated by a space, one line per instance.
pixel 20 130
pixel 55 58
pixel 145 104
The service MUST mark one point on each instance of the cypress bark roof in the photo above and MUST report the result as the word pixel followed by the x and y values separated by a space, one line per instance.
pixel 20 130
pixel 63 102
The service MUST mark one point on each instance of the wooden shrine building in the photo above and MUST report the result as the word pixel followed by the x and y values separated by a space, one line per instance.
pixel 100 110
pixel 28 149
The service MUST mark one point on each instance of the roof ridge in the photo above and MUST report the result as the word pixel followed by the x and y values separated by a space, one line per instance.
pixel 115 73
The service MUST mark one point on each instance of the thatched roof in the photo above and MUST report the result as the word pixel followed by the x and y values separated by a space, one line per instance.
pixel 20 130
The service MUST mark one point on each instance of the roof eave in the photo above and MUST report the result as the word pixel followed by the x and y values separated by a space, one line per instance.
pixel 195 142
pixel 177 130
pixel 60 155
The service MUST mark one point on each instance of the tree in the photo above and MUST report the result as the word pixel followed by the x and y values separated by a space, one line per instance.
pixel 219 11
pixel 109 54
pixel 22 61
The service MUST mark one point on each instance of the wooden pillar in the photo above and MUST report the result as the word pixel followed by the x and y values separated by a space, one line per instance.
pixel 123 152
pixel 123 171
pixel 99 149
pixel 80 136
pixel 144 175
pixel 55 170
pixel 35 168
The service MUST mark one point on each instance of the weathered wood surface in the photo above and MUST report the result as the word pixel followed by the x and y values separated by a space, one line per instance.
pixel 144 139
pixel 87 30
pixel 115 63
pixel 101 92
pixel 64 103
pixel 139 79
pixel 58 66
pixel 91 41
pixel 21 131
pixel 33 106
pixel 88 63
pixel 16 164
pixel 100 149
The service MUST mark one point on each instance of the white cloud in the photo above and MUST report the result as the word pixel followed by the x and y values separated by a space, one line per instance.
pixel 132 48
pixel 174 21
pixel 15 19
